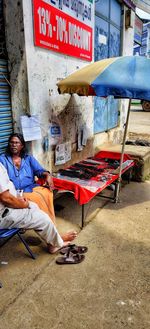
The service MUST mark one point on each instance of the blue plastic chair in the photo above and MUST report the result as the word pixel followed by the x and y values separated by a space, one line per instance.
pixel 7 234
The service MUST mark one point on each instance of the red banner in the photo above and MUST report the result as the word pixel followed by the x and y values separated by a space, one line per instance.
pixel 57 31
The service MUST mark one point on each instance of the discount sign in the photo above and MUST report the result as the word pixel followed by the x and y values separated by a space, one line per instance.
pixel 57 31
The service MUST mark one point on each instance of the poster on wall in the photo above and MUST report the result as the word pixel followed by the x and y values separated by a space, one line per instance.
pixel 62 153
pixel 55 133
pixel 31 127
pixel 56 30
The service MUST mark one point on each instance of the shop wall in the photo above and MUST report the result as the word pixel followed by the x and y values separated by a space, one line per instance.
pixel 108 23
pixel 115 135
pixel 14 31
pixel 34 73
pixel 45 68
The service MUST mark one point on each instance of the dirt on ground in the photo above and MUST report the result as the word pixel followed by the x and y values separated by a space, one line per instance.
pixel 108 290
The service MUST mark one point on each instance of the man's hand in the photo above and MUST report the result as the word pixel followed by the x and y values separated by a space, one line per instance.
pixel 48 180
pixel 13 202
pixel 24 201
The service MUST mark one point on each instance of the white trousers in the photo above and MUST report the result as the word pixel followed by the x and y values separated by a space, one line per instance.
pixel 33 218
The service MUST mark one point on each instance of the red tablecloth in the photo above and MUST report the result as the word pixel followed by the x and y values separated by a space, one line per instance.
pixel 85 190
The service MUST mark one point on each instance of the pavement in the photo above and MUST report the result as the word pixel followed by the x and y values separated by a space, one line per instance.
pixel 108 290
pixel 139 124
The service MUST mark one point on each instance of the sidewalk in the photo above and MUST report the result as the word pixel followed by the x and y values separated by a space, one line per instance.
pixel 139 124
pixel 109 290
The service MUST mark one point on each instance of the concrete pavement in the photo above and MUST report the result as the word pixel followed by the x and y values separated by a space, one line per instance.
pixel 139 124
pixel 109 290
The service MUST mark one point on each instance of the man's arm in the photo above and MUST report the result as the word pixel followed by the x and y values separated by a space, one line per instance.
pixel 38 171
pixel 13 202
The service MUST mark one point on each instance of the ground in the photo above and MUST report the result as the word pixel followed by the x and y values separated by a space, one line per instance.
pixel 109 290
pixel 139 124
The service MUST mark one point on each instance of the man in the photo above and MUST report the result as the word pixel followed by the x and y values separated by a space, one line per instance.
pixel 17 212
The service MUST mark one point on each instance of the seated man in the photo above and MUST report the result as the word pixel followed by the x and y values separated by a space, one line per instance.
pixel 22 169
pixel 17 212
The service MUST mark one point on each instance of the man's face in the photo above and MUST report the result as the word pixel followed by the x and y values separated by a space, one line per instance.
pixel 15 145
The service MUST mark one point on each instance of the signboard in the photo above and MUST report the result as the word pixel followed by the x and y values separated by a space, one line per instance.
pixel 83 10
pixel 57 31
pixel 138 27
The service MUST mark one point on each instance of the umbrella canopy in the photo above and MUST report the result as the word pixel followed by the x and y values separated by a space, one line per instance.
pixel 121 77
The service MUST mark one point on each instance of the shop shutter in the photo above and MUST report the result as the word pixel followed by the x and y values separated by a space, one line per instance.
pixel 6 126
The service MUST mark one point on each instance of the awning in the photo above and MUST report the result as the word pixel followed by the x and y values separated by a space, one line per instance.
pixel 121 77
pixel 143 5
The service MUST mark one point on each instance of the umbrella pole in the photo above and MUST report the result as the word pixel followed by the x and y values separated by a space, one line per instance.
pixel 122 152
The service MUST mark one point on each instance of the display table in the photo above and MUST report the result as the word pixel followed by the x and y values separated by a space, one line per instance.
pixel 139 154
pixel 102 170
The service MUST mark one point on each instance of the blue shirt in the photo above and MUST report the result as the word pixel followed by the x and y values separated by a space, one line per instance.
pixel 23 178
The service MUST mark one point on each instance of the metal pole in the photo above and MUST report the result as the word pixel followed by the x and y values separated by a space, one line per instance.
pixel 82 224
pixel 26 245
pixel 122 151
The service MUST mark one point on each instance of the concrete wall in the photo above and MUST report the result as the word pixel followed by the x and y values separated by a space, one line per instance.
pixel 44 69
pixel 34 73
pixel 3 52
pixel 14 30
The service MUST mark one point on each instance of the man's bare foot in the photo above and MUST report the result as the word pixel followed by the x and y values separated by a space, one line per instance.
pixel 69 236
pixel 53 250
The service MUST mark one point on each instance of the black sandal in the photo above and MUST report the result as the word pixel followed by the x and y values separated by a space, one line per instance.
pixel 74 249
pixel 70 258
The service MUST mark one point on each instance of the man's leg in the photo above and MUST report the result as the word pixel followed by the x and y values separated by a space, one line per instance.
pixel 43 197
pixel 35 219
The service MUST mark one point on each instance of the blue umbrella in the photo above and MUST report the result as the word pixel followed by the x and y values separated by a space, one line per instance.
pixel 121 77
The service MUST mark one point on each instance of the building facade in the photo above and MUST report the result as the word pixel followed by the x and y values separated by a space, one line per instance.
pixel 45 42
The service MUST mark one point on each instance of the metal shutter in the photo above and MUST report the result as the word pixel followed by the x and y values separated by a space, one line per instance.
pixel 6 127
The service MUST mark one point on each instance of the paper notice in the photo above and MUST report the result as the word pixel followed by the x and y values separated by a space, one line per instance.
pixel 62 153
pixel 31 127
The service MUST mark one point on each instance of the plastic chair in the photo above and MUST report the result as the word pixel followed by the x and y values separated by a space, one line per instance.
pixel 7 234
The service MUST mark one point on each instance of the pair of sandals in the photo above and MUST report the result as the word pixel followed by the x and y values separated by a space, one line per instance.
pixel 72 254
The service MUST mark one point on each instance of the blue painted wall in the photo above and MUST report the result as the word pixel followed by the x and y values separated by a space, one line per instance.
pixel 107 44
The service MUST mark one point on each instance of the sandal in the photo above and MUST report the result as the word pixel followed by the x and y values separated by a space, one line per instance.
pixel 74 249
pixel 70 259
